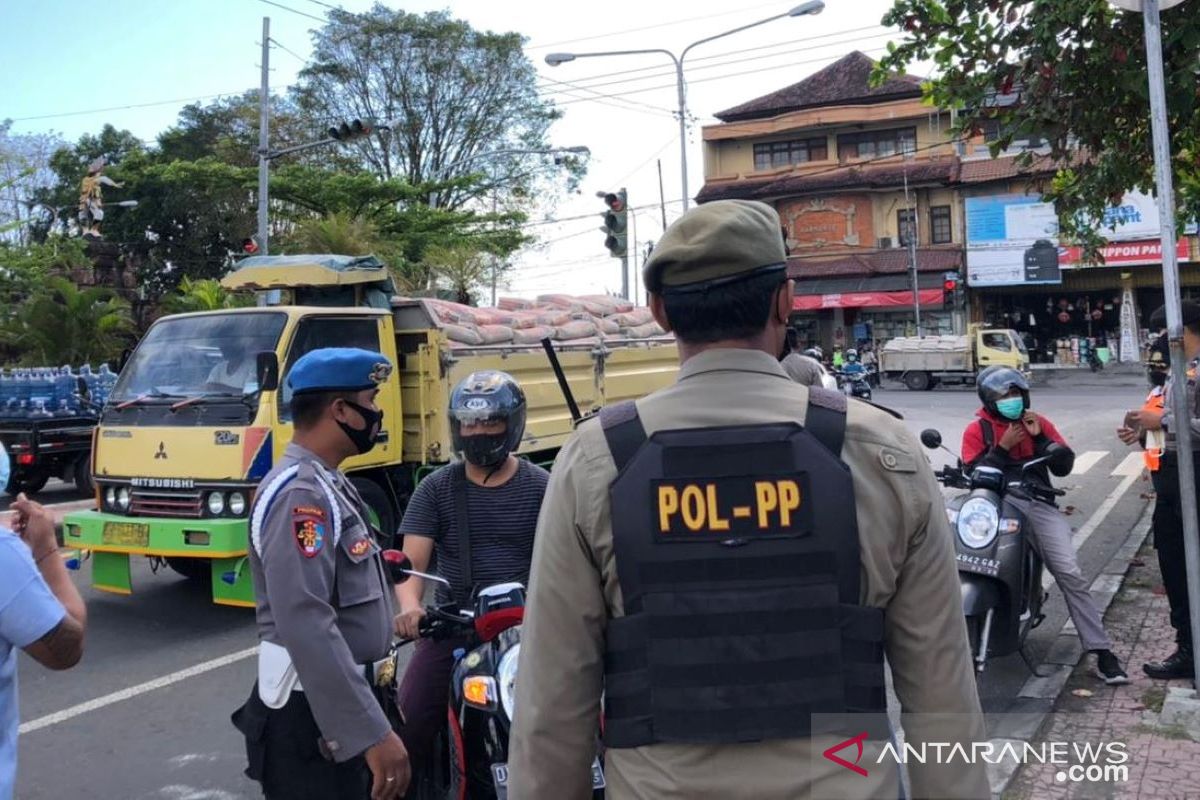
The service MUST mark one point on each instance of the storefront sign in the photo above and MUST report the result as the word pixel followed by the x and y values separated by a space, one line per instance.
pixel 841 221
pixel 1129 348
pixel 815 302
pixel 1123 254
pixel 1006 237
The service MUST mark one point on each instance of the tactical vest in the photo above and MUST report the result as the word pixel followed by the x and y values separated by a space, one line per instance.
pixel 738 557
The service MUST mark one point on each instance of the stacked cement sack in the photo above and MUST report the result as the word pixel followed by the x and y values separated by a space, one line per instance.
pixel 563 318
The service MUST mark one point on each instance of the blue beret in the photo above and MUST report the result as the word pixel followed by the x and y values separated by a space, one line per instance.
pixel 339 369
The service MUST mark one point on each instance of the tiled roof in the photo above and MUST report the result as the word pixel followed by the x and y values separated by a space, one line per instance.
pixel 1005 167
pixel 879 262
pixel 941 171
pixel 845 81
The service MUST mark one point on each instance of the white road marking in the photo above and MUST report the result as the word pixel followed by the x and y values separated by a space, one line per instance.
pixel 1088 528
pixel 134 691
pixel 191 758
pixel 1086 461
pixel 1132 465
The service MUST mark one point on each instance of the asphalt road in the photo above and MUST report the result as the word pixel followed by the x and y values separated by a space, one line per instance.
pixel 146 715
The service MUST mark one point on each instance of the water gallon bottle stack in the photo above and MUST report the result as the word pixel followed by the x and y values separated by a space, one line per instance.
pixel 49 392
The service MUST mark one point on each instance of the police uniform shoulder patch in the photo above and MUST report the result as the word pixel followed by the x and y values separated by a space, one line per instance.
pixel 360 547
pixel 309 511
pixel 310 534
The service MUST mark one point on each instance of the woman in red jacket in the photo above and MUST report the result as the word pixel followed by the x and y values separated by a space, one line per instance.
pixel 1006 435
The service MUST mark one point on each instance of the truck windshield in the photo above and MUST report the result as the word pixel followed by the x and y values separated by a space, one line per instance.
pixel 205 357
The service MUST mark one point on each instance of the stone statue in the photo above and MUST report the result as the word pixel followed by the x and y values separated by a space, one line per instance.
pixel 91 205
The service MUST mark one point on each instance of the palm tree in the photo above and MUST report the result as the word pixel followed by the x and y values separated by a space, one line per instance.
pixel 463 267
pixel 338 233
pixel 67 325
pixel 203 295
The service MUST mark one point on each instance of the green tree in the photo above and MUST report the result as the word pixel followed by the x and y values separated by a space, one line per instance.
pixel 461 268
pixel 338 233
pixel 1072 71
pixel 68 325
pixel 452 93
pixel 203 295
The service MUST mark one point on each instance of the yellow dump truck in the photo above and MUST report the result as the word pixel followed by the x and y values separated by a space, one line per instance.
pixel 201 411
pixel 922 363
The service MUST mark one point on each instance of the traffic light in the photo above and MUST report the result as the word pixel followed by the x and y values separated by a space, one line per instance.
pixel 349 131
pixel 616 221
pixel 249 246
pixel 950 284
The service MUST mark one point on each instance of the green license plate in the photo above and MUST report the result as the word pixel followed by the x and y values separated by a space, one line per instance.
pixel 126 534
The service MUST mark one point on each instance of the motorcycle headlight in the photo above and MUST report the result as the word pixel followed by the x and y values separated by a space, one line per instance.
pixel 123 498
pixel 978 523
pixel 237 504
pixel 216 503
pixel 507 677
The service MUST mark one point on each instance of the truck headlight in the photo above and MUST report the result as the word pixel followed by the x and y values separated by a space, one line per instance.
pixel 110 497
pixel 507 676
pixel 978 523
pixel 216 503
pixel 237 504
pixel 123 498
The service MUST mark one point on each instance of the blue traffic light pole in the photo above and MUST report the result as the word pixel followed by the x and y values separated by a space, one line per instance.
pixel 554 59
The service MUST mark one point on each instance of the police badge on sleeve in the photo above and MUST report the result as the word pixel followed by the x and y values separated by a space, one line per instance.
pixel 310 534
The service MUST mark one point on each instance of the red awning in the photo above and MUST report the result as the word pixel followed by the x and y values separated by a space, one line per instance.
pixel 815 302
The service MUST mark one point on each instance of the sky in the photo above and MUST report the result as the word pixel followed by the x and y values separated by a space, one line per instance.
pixel 72 66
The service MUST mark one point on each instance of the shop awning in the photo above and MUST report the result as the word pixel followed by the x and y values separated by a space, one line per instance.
pixel 815 302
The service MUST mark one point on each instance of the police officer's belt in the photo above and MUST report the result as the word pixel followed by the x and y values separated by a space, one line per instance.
pixel 737 552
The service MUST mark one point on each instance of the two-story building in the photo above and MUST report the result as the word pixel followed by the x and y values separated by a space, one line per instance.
pixel 862 177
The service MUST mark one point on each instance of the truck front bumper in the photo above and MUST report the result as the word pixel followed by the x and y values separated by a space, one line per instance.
pixel 111 539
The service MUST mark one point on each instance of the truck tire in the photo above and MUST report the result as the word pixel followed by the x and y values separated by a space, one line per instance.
pixel 380 507
pixel 81 474
pixel 29 483
pixel 917 380
pixel 194 569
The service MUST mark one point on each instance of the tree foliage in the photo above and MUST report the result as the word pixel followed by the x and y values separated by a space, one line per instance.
pixel 203 295
pixel 452 94
pixel 69 325
pixel 462 268
pixel 1072 71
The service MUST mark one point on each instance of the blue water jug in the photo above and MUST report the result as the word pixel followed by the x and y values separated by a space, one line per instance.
pixel 89 380
pixel 105 381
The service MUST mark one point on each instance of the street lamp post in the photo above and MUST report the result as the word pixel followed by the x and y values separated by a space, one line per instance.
pixel 804 9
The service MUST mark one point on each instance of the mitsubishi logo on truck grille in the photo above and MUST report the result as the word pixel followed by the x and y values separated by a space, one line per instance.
pixel 162 451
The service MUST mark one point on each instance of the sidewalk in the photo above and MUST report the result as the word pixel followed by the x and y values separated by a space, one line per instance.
pixel 1163 763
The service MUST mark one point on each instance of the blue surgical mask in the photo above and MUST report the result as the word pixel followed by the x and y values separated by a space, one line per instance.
pixel 1011 407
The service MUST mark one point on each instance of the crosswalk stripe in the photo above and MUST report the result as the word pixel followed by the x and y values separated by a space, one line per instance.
pixel 1085 461
pixel 1132 465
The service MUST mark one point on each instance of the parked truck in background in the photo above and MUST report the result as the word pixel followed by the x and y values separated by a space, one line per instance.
pixel 178 458
pixel 924 362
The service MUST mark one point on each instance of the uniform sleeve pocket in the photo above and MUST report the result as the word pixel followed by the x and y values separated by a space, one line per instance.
pixel 357 574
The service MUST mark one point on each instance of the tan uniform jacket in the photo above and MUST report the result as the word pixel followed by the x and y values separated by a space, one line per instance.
pixel 908 568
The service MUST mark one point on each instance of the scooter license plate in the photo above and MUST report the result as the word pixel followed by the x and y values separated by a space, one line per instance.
pixel 500 778
pixel 978 564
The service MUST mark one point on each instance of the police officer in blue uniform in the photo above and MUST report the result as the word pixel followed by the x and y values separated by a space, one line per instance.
pixel 321 721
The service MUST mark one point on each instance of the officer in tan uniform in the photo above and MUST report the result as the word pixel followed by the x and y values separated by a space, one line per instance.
pixel 320 722
pixel 737 584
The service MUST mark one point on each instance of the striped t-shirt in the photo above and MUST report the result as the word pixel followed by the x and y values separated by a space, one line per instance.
pixel 502 518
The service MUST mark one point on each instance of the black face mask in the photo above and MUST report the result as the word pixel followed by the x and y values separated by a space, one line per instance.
pixel 363 439
pixel 1158 377
pixel 485 450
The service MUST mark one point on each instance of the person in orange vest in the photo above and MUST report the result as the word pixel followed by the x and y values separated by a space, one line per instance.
pixel 1158 367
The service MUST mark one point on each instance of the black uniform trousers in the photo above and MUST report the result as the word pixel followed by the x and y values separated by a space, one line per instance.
pixel 284 750
pixel 1168 541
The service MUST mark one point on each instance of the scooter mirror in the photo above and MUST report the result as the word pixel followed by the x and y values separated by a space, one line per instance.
pixel 398 564
pixel 931 438
pixel 1058 457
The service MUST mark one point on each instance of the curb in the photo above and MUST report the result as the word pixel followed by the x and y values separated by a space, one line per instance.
pixel 1066 651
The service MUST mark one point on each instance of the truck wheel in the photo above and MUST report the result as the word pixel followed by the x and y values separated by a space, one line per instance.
pixel 194 569
pixel 916 381
pixel 81 474
pixel 379 508
pixel 27 483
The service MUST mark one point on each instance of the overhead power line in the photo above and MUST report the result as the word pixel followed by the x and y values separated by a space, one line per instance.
pixel 655 26
pixel 293 10
pixel 289 51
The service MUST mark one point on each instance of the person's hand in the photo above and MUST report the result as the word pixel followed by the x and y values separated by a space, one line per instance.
pixel 34 524
pixel 1127 435
pixel 1012 435
pixel 1145 419
pixel 1032 423
pixel 408 621
pixel 390 770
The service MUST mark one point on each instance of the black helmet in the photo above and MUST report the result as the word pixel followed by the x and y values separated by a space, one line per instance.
pixel 995 382
pixel 487 396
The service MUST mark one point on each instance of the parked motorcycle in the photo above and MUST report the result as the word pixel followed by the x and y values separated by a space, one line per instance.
pixel 999 570
pixel 470 753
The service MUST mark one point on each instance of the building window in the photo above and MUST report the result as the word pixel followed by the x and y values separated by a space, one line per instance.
pixel 905 225
pixel 877 144
pixel 783 154
pixel 939 225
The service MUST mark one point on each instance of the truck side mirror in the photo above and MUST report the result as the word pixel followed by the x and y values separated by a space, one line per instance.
pixel 266 370
pixel 125 354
